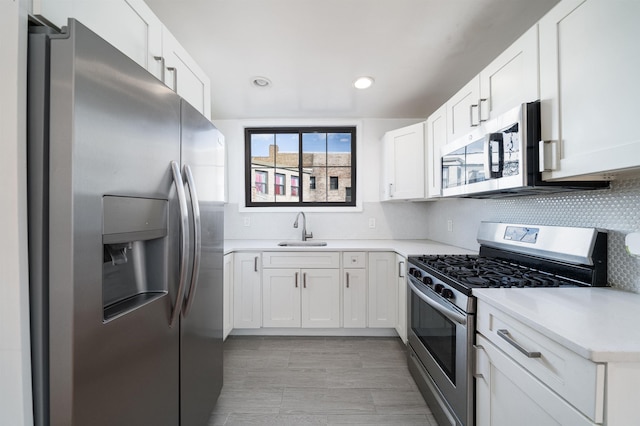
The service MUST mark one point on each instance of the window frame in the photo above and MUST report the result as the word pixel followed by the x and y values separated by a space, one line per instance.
pixel 300 130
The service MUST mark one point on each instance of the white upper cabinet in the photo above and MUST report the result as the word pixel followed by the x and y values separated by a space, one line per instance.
pixel 589 61
pixel 133 28
pixel 184 76
pixel 436 138
pixel 462 110
pixel 138 33
pixel 404 164
pixel 511 79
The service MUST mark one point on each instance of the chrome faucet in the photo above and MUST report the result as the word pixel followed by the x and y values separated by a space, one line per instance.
pixel 304 226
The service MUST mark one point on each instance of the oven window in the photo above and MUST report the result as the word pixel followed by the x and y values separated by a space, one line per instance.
pixel 437 333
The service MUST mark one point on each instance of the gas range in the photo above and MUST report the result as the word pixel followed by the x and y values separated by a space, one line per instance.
pixel 466 272
pixel 441 307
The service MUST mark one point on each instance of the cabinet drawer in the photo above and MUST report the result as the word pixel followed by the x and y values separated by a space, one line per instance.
pixel 312 259
pixel 354 259
pixel 578 380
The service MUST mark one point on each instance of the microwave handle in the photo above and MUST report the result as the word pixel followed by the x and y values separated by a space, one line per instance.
pixel 495 137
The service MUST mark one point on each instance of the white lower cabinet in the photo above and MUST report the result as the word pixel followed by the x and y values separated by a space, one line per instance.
pixel 507 394
pixel 354 298
pixel 301 289
pixel 382 290
pixel 354 289
pixel 522 377
pixel 401 278
pixel 247 299
pixel 301 298
pixel 227 295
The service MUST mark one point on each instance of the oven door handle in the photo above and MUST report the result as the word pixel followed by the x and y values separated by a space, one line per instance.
pixel 452 315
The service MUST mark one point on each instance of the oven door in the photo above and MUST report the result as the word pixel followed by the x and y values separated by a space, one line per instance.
pixel 441 335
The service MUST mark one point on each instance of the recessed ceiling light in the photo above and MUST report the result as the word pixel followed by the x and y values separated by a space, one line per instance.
pixel 363 82
pixel 261 82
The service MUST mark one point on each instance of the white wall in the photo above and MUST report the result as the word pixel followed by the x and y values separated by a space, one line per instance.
pixel 393 220
pixel 15 367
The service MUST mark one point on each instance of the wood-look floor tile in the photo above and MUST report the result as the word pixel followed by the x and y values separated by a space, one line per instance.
pixel 275 419
pixel 327 401
pixel 368 378
pixel 326 359
pixel 379 419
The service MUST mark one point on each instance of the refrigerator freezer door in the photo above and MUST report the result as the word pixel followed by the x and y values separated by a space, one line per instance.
pixel 201 324
pixel 114 131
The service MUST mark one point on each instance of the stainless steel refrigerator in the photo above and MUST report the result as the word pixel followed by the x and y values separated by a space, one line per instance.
pixel 125 229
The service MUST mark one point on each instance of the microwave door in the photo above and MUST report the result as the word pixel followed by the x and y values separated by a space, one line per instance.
pixel 477 168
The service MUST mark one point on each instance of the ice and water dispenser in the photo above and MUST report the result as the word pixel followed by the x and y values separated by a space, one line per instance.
pixel 135 253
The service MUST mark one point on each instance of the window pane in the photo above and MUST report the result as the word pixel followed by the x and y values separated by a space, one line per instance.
pixel 319 192
pixel 261 143
pixel 314 149
pixel 339 181
pixel 339 149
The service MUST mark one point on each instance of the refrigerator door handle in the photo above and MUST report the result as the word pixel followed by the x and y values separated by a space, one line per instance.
pixel 197 246
pixel 184 230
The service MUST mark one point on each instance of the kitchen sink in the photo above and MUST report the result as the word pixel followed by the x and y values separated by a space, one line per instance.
pixel 302 243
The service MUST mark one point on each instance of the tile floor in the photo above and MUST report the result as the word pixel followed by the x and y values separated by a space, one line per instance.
pixel 318 381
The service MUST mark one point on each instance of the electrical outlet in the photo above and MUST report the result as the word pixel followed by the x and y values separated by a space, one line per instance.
pixel 247 221
pixel 372 222
pixel 449 225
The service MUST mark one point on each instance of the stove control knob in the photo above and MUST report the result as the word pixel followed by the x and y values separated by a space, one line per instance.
pixel 412 271
pixel 438 288
pixel 427 280
pixel 417 273
pixel 447 293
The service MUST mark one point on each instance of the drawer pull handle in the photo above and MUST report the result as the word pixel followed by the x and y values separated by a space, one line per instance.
pixel 505 335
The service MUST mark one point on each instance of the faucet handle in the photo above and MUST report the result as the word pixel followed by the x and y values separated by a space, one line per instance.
pixel 309 235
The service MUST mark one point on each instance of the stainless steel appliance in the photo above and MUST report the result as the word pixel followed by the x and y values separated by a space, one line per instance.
pixel 125 234
pixel 500 158
pixel 441 307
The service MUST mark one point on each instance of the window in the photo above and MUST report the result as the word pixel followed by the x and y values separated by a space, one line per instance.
pixel 280 179
pixel 333 182
pixel 261 182
pixel 318 165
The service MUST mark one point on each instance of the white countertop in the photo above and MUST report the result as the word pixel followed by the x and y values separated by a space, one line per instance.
pixel 403 247
pixel 600 324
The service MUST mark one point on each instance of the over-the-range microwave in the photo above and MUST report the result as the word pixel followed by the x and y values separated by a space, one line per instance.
pixel 500 158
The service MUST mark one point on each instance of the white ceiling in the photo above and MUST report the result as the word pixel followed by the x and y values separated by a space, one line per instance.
pixel 420 52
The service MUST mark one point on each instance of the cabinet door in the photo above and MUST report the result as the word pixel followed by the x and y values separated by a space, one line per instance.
pixel 436 138
pixel 512 78
pixel 382 290
pixel 320 298
pixel 281 297
pixel 247 300
pixel 354 291
pixel 138 33
pixel 507 395
pixel 184 76
pixel 404 163
pixel 227 290
pixel 589 88
pixel 401 278
pixel 463 110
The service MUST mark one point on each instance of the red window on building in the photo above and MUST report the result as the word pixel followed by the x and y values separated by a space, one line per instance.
pixel 295 186
pixel 280 179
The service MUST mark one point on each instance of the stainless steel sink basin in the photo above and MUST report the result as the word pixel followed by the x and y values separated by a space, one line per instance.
pixel 302 243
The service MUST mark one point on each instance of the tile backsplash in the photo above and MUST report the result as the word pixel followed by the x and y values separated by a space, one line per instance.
pixel 616 209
